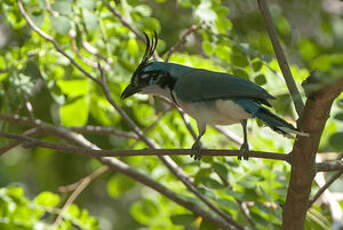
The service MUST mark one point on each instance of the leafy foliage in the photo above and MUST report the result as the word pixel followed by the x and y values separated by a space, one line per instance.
pixel 18 212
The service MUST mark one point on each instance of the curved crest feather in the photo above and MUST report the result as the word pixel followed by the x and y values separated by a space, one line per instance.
pixel 151 45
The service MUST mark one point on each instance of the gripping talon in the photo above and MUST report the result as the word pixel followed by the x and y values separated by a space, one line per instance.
pixel 244 151
pixel 196 151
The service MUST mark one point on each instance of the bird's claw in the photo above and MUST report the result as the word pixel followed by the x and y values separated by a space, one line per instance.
pixel 244 152
pixel 196 147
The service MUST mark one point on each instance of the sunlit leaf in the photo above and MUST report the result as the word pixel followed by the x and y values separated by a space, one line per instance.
pixel 62 6
pixel 90 19
pixel 74 87
pixel 75 113
pixel 118 185
pixel 61 24
pixel 47 199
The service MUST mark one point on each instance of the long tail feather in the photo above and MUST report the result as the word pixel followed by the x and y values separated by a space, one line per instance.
pixel 273 121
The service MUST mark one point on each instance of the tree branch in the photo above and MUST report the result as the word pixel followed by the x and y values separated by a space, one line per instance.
pixel 50 39
pixel 30 132
pixel 281 58
pixel 182 40
pixel 142 152
pixel 327 197
pixel 329 166
pixel 123 21
pixel 25 121
pixel 125 169
pixel 312 121
pixel 324 187
pixel 80 187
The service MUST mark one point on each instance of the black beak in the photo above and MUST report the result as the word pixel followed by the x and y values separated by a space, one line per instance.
pixel 129 91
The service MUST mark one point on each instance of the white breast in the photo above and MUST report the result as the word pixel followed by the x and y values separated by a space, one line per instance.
pixel 221 112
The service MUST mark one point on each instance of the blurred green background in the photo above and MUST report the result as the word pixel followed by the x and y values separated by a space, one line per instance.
pixel 231 38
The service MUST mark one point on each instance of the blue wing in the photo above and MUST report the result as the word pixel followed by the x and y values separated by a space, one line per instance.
pixel 202 85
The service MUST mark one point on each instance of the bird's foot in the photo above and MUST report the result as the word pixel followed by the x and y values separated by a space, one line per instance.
pixel 196 147
pixel 244 151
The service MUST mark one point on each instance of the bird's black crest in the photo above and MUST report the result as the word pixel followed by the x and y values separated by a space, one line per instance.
pixel 151 45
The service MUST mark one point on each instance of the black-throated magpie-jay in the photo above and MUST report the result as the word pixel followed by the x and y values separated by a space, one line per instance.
pixel 209 97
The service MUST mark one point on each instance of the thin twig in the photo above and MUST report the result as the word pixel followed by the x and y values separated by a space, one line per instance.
pixel 324 187
pixel 90 177
pixel 84 182
pixel 123 21
pixel 30 132
pixel 231 136
pixel 281 58
pixel 187 123
pixel 50 39
pixel 328 198
pixel 103 130
pixel 246 213
pixel 21 120
pixel 181 41
pixel 329 166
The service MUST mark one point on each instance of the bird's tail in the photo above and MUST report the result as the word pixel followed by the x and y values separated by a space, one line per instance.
pixel 273 121
pixel 278 124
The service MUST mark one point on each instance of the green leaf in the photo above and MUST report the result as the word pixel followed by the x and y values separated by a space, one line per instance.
pixel 183 219
pixel 47 199
pixel 75 113
pixel 118 185
pixel 239 59
pixel 228 204
pixel 340 103
pixel 15 191
pixel 74 88
pixel 260 79
pixel 210 183
pixel 240 73
pixel 151 24
pixel 62 6
pixel 88 4
pixel 132 46
pixel 37 18
pixel 143 211
pixel 61 24
pixel 207 47
pixel 257 65
pixel 339 116
pixel 223 52
pixel 207 226
pixel 90 19
pixel 221 170
pixel 78 37
pixel 336 141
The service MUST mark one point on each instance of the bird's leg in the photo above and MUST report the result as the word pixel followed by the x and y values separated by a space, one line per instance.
pixel 245 147
pixel 196 147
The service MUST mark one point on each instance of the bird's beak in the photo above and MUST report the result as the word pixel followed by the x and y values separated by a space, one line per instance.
pixel 129 91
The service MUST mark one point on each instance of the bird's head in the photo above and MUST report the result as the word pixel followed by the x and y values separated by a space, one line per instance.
pixel 148 78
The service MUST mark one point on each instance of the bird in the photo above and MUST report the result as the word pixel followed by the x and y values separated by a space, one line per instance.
pixel 209 97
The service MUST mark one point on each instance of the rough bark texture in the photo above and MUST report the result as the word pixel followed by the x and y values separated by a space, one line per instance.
pixel 312 121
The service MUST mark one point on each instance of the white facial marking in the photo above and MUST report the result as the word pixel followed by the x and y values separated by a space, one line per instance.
pixel 145 76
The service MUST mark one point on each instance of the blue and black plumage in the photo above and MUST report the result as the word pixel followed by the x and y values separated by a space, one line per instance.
pixel 209 97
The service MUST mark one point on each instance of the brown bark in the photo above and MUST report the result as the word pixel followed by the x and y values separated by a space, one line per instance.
pixel 312 121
